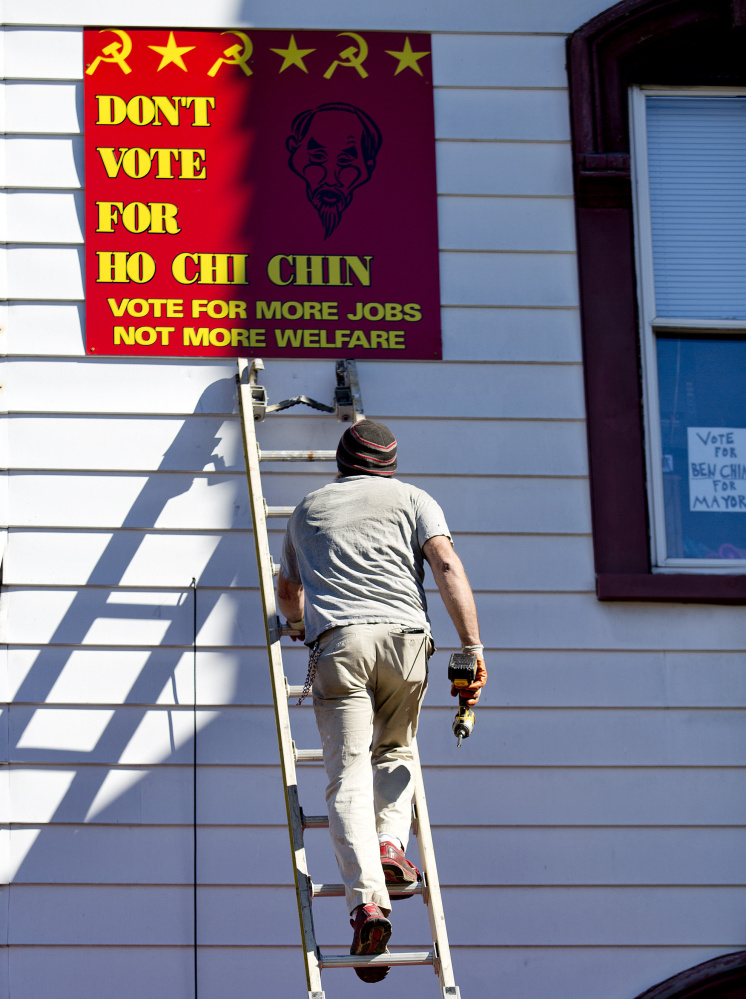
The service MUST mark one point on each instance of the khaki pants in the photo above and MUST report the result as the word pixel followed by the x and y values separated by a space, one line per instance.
pixel 370 681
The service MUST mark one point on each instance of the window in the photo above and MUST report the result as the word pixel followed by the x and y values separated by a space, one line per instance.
pixel 658 98
pixel 689 168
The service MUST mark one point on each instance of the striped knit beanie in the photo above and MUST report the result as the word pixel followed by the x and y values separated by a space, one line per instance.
pixel 367 448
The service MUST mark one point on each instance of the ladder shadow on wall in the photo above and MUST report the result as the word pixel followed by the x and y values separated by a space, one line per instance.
pixel 138 718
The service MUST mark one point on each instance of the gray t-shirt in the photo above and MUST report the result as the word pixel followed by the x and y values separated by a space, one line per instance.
pixel 356 546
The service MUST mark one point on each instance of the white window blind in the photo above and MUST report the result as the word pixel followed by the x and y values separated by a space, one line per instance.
pixel 697 171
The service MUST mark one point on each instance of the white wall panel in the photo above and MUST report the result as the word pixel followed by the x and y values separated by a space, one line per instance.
pixel 268 916
pixel 37 272
pixel 228 856
pixel 505 334
pixel 523 115
pixel 570 620
pixel 506 223
pixel 501 168
pixel 490 60
pixel 217 502
pixel 389 15
pixel 43 108
pixel 48 328
pixel 554 678
pixel 245 735
pixel 546 279
pixel 519 796
pixel 555 448
pixel 133 558
pixel 98 616
pixel 114 972
pixel 44 217
pixel 522 973
pixel 43 54
pixel 623 679
pixel 38 162
pixel 517 391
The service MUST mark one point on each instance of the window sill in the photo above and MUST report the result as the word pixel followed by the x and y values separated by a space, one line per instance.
pixel 672 587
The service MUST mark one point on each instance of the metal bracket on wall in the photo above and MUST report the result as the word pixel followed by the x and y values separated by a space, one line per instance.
pixel 347 404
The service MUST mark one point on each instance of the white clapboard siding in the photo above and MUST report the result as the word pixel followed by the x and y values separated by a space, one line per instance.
pixel 482 334
pixel 124 385
pixel 504 168
pixel 49 108
pixel 519 796
pixel 43 217
pixel 492 60
pixel 233 617
pixel 520 972
pixel 45 272
pixel 533 737
pixel 469 278
pixel 135 558
pixel 95 854
pixel 507 334
pixel 506 223
pixel 488 114
pixel 553 448
pixel 56 329
pixel 479 15
pixel 267 916
pixel 193 501
pixel 43 54
pixel 555 678
pixel 39 162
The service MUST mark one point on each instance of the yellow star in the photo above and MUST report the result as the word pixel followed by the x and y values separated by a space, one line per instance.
pixel 293 56
pixel 171 52
pixel 407 58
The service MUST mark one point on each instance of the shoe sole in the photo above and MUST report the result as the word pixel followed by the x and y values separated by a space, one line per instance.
pixel 374 941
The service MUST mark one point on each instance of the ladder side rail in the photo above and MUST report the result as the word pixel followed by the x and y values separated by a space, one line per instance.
pixel 282 715
pixel 434 898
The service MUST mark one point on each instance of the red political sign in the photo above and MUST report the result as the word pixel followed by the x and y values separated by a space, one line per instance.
pixel 260 192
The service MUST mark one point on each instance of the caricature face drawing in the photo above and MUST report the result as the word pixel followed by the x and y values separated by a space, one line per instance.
pixel 333 149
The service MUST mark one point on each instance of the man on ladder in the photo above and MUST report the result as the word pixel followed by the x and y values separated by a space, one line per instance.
pixel 351 578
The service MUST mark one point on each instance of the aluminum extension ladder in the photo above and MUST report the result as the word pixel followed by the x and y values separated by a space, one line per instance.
pixel 253 408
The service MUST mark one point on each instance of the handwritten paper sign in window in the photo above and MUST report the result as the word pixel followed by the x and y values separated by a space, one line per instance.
pixel 717 469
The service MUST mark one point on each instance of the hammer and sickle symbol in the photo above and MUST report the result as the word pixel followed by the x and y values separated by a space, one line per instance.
pixel 114 52
pixel 352 57
pixel 236 55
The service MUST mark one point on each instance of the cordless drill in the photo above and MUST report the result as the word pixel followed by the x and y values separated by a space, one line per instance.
pixel 462 672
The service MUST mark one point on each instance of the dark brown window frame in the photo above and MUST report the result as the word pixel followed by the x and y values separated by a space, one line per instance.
pixel 654 42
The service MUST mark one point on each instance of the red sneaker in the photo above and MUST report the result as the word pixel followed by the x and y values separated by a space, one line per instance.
pixel 398 871
pixel 372 932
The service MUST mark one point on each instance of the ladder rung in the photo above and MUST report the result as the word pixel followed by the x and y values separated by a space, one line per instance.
pixel 315 821
pixel 352 961
pixel 279 511
pixel 294 692
pixel 308 755
pixel 336 891
pixel 297 455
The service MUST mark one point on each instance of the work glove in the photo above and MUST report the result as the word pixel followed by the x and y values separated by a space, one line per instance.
pixel 470 694
pixel 298 626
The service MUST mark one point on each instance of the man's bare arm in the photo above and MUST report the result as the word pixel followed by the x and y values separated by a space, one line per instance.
pixel 454 587
pixel 289 598
pixel 457 596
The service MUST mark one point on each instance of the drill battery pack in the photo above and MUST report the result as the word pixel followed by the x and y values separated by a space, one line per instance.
pixel 462 669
